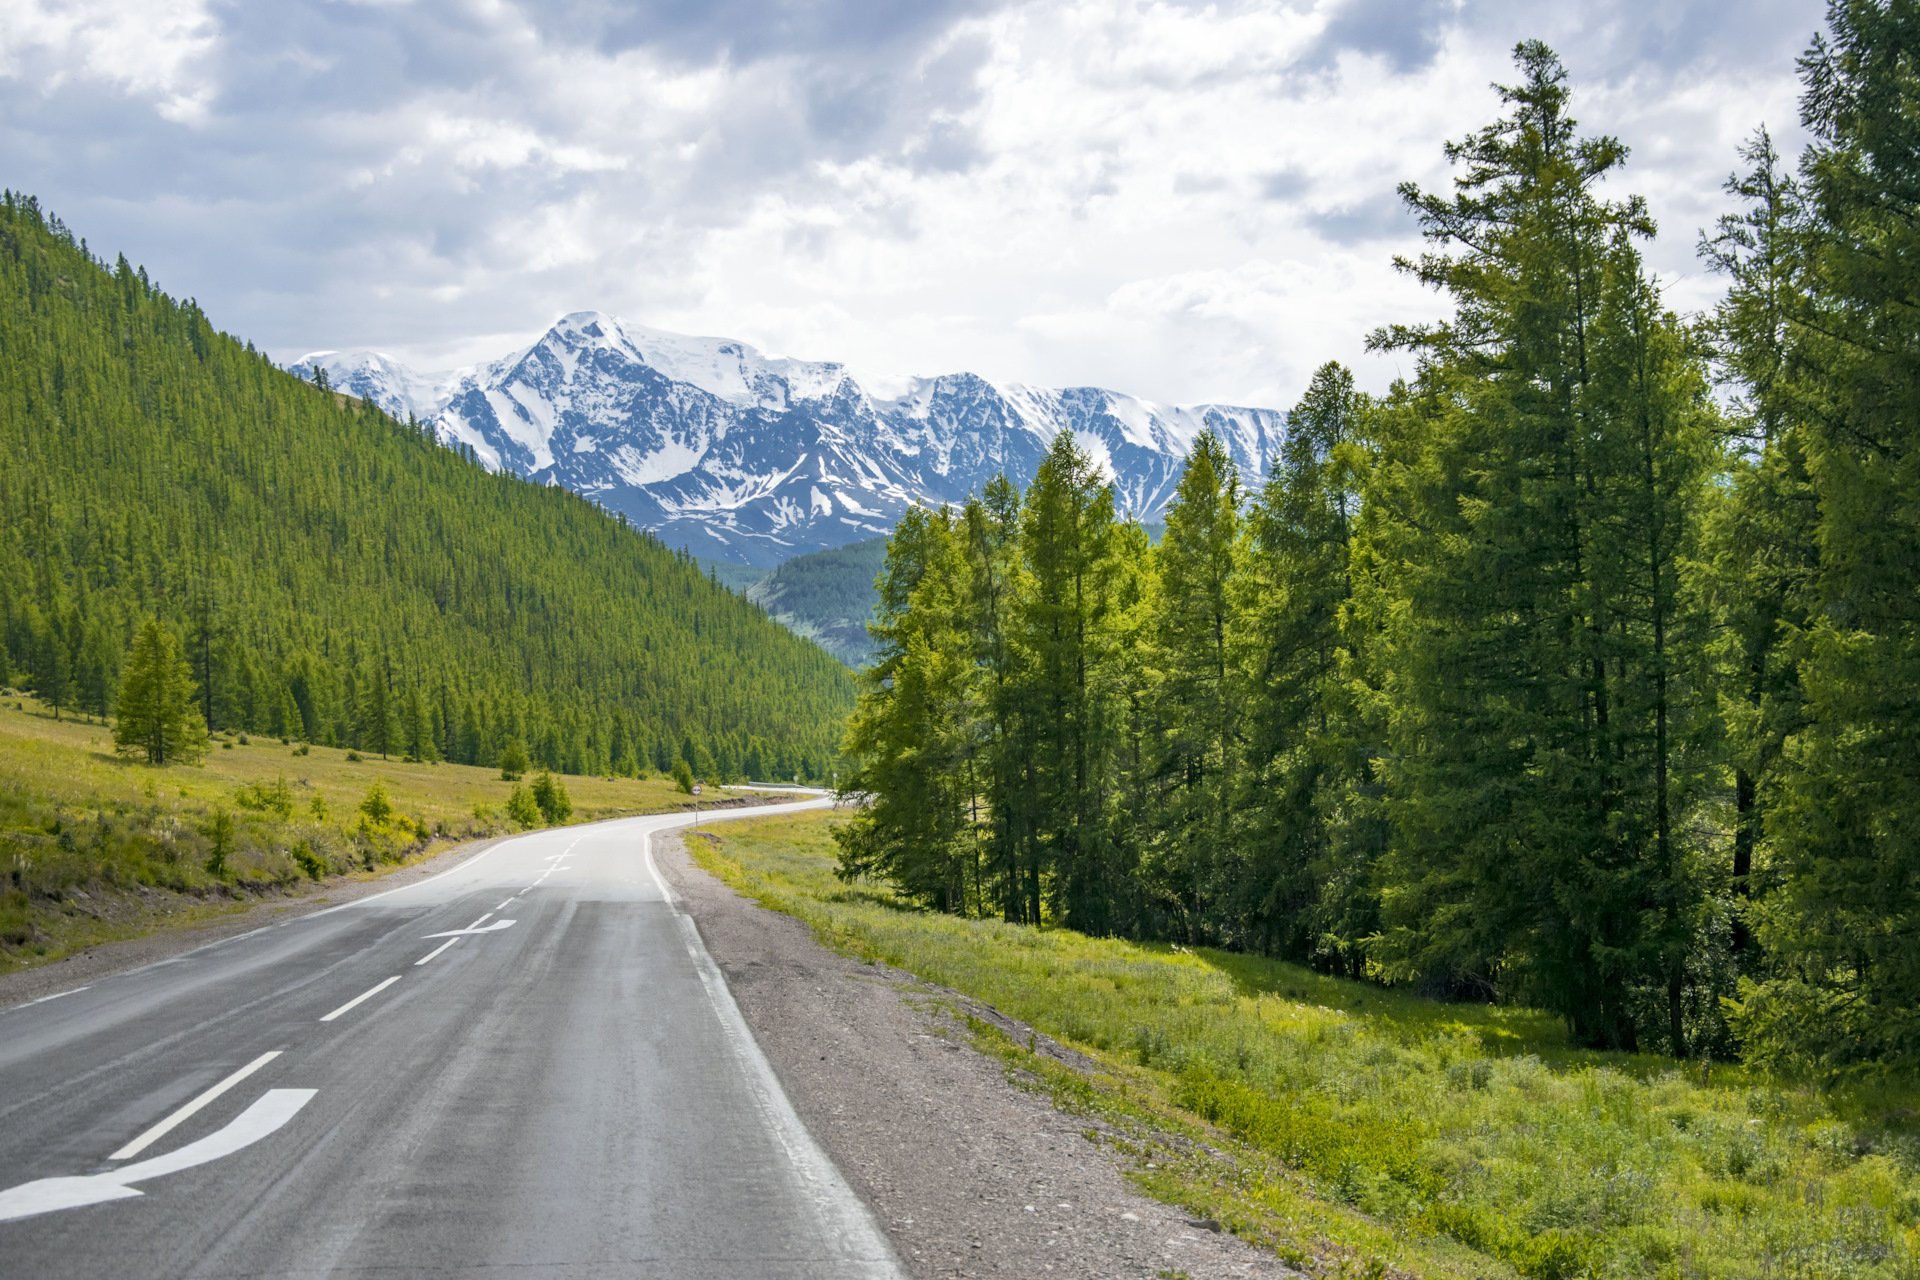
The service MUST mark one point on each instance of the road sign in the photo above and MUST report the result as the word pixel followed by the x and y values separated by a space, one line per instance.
pixel 696 788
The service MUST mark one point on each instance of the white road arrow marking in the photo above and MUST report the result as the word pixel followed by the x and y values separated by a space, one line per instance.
pixel 166 1126
pixel 495 927
pixel 274 1109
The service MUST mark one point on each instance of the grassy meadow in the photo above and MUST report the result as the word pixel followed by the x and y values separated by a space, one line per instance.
pixel 95 847
pixel 1362 1132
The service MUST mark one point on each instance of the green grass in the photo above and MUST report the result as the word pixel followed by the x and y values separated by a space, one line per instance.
pixel 94 847
pixel 1364 1131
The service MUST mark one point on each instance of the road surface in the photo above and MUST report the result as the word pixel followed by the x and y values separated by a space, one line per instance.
pixel 527 1066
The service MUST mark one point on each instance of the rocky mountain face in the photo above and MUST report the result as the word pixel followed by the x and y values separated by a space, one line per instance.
pixel 751 459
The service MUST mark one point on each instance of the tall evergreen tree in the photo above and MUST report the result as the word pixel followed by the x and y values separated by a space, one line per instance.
pixel 1065 624
pixel 1310 816
pixel 157 717
pixel 1762 541
pixel 1197 697
pixel 376 724
pixel 1000 767
pixel 1845 928
pixel 1534 497
pixel 52 666
pixel 909 736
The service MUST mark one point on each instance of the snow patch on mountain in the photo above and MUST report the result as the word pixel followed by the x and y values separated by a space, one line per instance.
pixel 752 458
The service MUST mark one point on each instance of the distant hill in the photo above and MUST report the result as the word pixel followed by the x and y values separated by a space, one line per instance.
pixel 334 575
pixel 827 596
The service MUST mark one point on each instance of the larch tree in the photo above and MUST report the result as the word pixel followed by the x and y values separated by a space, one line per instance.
pixel 909 737
pixel 1065 622
pixel 1309 800
pixel 1531 502
pixel 156 716
pixel 1845 926
pixel 1196 693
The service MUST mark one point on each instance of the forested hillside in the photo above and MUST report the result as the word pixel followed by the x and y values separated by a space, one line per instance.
pixel 1548 677
pixel 334 575
pixel 827 596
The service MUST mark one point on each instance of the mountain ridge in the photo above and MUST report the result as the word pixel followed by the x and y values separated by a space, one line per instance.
pixel 333 576
pixel 754 459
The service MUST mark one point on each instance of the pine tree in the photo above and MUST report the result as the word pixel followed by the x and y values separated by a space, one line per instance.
pixel 156 716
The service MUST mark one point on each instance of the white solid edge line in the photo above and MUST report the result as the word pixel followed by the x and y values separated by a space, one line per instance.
pixel 436 951
pixel 71 991
pixel 45 1195
pixel 840 1210
pixel 364 995
pixel 166 1126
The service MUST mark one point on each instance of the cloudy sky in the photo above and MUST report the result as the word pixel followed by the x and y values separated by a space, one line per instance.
pixel 1181 200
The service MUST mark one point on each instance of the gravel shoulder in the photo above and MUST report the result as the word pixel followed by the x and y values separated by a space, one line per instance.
pixel 968 1174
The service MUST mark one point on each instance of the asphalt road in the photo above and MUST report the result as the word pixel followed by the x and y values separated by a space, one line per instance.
pixel 528 1065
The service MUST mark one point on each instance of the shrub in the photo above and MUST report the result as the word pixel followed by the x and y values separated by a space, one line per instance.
pixel 377 807
pixel 310 862
pixel 551 797
pixel 354 757
pixel 522 809
pixel 268 797
pixel 683 775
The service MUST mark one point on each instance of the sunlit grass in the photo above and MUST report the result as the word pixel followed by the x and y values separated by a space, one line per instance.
pixel 95 847
pixel 1435 1138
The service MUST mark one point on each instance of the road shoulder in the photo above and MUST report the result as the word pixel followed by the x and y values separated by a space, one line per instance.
pixel 168 940
pixel 967 1173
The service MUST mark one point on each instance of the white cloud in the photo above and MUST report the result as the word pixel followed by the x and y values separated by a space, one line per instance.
pixel 1183 201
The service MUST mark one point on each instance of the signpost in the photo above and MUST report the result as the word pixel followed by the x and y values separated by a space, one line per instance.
pixel 696 805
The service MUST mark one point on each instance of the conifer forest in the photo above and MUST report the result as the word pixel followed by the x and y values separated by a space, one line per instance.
pixel 1581 668
pixel 332 576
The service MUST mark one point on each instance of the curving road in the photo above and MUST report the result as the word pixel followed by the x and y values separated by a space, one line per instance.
pixel 528 1065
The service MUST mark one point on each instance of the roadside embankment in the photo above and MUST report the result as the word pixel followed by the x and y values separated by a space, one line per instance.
pixel 1358 1131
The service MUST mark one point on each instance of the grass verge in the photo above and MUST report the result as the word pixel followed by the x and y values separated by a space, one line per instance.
pixel 1360 1132
pixel 95 848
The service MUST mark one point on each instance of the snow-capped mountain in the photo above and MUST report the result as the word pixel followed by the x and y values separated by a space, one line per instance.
pixel 754 459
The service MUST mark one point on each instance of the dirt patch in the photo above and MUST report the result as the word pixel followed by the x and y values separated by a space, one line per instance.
pixel 968 1174
pixel 171 939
